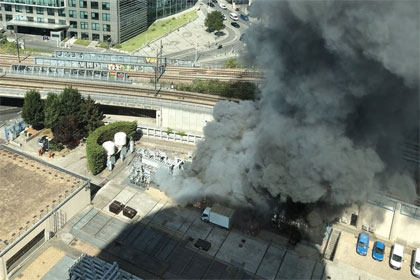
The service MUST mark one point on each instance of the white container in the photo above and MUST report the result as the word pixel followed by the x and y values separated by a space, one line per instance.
pixel 218 215
pixel 109 147
pixel 120 139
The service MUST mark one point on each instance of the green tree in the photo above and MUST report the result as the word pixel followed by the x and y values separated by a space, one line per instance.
pixel 214 21
pixel 91 115
pixel 52 109
pixel 66 131
pixel 71 101
pixel 231 63
pixel 33 111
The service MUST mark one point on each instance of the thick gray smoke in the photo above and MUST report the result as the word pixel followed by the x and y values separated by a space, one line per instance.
pixel 341 96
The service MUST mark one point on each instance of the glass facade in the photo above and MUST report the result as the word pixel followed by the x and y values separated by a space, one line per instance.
pixel 162 8
pixel 50 3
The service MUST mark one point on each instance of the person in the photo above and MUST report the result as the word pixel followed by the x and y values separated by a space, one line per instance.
pixel 172 85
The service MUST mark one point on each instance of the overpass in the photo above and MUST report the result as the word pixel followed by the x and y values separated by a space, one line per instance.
pixel 175 110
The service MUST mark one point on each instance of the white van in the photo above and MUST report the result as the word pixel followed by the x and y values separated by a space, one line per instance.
pixel 396 259
pixel 415 269
pixel 233 16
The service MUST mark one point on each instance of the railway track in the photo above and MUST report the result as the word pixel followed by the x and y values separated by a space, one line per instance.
pixel 25 82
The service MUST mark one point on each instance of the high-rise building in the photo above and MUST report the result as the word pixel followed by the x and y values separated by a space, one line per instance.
pixel 116 20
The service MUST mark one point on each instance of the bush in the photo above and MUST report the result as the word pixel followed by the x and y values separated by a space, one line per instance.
pixel 118 46
pixel 55 146
pixel 95 153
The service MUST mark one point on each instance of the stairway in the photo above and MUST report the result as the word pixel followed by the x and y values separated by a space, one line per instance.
pixel 332 244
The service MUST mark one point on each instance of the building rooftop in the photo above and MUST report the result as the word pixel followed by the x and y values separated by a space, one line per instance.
pixel 30 189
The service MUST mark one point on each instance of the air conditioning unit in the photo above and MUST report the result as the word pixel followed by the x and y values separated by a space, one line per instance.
pixel 129 212
pixel 116 207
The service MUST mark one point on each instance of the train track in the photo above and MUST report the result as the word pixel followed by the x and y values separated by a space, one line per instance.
pixel 25 82
pixel 172 73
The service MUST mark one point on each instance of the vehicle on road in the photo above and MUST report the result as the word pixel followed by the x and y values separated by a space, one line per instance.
pixel 415 268
pixel 202 244
pixel 224 17
pixel 235 24
pixel 378 251
pixel 242 37
pixel 222 6
pixel 218 215
pixel 362 244
pixel 244 17
pixel 219 47
pixel 233 16
pixel 396 258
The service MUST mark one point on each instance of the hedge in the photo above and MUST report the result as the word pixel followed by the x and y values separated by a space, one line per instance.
pixel 95 153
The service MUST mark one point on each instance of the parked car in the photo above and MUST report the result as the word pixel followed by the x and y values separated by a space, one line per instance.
pixel 378 251
pixel 235 24
pixel 242 37
pixel 220 46
pixel 214 1
pixel 222 6
pixel 396 258
pixel 210 4
pixel 362 244
pixel 415 269
pixel 202 244
pixel 233 16
pixel 42 141
pixel 244 17
pixel 224 17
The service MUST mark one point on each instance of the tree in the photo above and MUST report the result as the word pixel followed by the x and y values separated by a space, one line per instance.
pixel 66 131
pixel 52 109
pixel 33 111
pixel 214 21
pixel 91 115
pixel 71 101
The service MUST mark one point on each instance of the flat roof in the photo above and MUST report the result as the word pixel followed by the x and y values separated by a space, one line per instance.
pixel 29 190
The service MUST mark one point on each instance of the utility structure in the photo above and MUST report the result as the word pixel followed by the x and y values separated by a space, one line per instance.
pixel 17 46
pixel 159 68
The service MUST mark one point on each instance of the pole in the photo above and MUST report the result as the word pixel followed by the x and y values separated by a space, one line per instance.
pixel 196 50
pixel 17 47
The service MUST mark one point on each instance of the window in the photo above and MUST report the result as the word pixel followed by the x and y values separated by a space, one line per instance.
pixel 106 27
pixel 62 22
pixel 94 5
pixel 18 9
pixel 9 17
pixel 62 13
pixel 95 26
pixel 84 36
pixel 51 20
pixel 82 4
pixel 72 13
pixel 105 6
pixel 19 18
pixel 40 19
pixel 84 25
pixel 30 18
pixel 72 3
pixel 95 37
pixel 39 11
pixel 84 15
pixel 29 10
pixel 107 38
pixel 106 17
pixel 1 17
pixel 94 16
pixel 8 8
pixel 23 253
pixel 50 12
pixel 73 24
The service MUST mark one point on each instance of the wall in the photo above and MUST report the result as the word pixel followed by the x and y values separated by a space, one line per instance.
pixel 181 120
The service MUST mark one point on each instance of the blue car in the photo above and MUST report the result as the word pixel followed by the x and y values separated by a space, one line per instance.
pixel 244 17
pixel 362 244
pixel 378 251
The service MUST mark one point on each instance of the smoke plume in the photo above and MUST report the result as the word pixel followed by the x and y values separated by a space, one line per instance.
pixel 340 98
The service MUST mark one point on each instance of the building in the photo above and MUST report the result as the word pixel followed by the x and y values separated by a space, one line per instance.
pixel 110 20
pixel 37 200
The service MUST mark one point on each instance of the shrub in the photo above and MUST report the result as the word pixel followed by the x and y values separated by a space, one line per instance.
pixel 118 46
pixel 95 153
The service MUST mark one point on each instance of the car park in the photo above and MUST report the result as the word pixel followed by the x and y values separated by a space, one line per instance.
pixel 222 6
pixel 235 24
pixel 233 16
pixel 378 251
pixel 244 17
pixel 396 258
pixel 415 267
pixel 362 244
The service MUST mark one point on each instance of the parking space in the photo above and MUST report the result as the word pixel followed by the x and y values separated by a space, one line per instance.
pixel 346 253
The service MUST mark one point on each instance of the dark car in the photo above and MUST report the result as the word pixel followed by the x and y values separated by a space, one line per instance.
pixel 242 37
pixel 214 1
pixel 220 46
pixel 210 4
pixel 235 24
pixel 202 244
pixel 244 17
